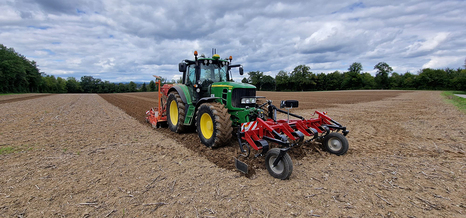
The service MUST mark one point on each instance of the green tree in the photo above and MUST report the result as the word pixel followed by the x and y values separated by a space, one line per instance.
pixel 88 84
pixel 368 81
pixel 381 77
pixel 61 85
pixel 255 78
pixel 51 84
pixel 321 82
pixel 282 81
pixel 245 80
pixel 144 88
pixel 302 78
pixel 335 80
pixel 152 87
pixel 355 67
pixel 33 75
pixel 17 73
pixel 132 87
pixel 432 79
pixel 353 78
pixel 409 81
pixel 268 83
pixel 73 85
pixel 122 88
pixel 459 82
pixel 395 81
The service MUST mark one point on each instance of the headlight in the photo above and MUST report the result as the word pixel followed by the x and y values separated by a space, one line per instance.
pixel 248 100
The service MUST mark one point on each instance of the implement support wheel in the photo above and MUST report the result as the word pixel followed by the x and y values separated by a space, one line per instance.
pixel 213 124
pixel 283 169
pixel 335 143
pixel 175 112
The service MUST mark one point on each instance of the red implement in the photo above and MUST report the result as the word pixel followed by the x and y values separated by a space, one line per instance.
pixel 157 116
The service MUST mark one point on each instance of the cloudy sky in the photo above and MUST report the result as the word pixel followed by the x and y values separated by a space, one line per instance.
pixel 131 40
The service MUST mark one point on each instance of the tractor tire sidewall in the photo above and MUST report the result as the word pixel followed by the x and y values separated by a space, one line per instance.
pixel 286 162
pixel 178 127
pixel 335 136
pixel 222 125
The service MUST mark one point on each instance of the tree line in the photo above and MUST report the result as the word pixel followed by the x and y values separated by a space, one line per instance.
pixel 20 75
pixel 302 79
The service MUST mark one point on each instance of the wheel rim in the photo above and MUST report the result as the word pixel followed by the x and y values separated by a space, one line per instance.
pixel 277 169
pixel 334 144
pixel 173 113
pixel 207 126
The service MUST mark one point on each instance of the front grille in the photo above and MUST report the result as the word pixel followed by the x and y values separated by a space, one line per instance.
pixel 240 93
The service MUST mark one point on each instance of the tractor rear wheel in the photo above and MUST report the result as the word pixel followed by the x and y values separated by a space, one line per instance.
pixel 175 112
pixel 213 124
pixel 335 143
pixel 284 167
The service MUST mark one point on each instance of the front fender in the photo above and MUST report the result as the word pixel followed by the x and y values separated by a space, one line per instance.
pixel 206 99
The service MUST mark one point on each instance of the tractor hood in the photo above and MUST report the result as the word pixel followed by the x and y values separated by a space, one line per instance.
pixel 232 85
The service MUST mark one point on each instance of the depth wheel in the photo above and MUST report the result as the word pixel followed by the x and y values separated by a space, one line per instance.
pixel 213 124
pixel 175 112
pixel 283 169
pixel 335 143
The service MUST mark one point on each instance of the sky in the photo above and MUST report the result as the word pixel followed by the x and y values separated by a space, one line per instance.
pixel 131 40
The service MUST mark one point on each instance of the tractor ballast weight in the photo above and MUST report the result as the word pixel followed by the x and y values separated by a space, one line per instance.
pixel 209 101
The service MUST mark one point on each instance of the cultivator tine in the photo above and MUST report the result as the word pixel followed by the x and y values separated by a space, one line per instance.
pixel 242 167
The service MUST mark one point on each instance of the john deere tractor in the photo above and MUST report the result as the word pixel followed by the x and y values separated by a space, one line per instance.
pixel 209 100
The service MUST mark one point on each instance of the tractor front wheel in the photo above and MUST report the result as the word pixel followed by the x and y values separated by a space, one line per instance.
pixel 213 124
pixel 283 169
pixel 175 112
pixel 335 143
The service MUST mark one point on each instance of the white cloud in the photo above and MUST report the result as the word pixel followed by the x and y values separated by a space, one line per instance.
pixel 429 44
pixel 122 40
pixel 442 62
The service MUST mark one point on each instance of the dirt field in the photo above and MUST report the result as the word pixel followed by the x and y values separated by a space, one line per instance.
pixel 13 98
pixel 79 156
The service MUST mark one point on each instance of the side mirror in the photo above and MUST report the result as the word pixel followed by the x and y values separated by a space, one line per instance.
pixel 182 67
pixel 241 70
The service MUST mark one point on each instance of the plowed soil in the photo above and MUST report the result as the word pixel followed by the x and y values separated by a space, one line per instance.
pixel 20 97
pixel 79 156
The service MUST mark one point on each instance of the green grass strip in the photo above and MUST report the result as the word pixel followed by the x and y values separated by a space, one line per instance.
pixel 459 102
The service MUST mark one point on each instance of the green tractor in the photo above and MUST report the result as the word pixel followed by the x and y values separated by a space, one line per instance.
pixel 210 100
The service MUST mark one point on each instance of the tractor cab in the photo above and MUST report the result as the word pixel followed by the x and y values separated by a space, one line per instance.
pixel 203 74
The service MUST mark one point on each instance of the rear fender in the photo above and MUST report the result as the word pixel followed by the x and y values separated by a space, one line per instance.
pixel 180 92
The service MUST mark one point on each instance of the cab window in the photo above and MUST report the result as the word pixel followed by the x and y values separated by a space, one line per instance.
pixel 191 77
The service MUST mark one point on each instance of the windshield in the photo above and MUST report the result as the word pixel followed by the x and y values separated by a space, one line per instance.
pixel 214 72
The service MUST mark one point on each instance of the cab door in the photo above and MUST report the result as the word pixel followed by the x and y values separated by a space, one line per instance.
pixel 191 81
